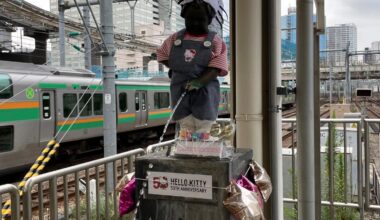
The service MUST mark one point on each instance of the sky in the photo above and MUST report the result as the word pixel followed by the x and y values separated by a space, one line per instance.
pixel 364 13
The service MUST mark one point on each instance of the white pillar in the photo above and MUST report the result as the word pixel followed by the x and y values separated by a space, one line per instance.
pixel 305 110
pixel 275 133
pixel 249 92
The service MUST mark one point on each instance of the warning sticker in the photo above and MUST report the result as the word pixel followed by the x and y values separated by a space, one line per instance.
pixel 107 98
pixel 180 184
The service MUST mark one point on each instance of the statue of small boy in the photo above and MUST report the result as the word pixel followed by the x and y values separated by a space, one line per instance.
pixel 195 56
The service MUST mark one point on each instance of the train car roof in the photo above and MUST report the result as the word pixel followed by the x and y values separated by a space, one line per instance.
pixel 33 69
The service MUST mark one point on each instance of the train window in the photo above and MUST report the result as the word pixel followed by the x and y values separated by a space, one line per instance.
pixel 161 100
pixel 46 105
pixel 6 88
pixel 6 138
pixel 123 106
pixel 85 104
pixel 69 101
pixel 137 101
pixel 98 104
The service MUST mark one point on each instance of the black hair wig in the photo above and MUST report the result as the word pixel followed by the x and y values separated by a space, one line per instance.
pixel 198 4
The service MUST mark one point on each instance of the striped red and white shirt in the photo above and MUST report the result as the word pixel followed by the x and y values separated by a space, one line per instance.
pixel 218 53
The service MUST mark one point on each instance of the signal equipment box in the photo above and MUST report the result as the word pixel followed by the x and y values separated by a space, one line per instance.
pixel 186 188
pixel 363 92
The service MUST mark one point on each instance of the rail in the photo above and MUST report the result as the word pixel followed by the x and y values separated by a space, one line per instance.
pixel 12 191
pixel 74 199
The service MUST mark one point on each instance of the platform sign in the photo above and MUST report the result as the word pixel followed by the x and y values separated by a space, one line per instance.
pixel 180 184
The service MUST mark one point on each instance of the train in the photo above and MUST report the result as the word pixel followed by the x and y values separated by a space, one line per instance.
pixel 289 100
pixel 37 101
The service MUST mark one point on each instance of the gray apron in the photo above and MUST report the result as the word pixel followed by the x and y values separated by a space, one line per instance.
pixel 188 60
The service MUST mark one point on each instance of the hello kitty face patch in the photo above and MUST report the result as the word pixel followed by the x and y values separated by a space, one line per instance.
pixel 189 55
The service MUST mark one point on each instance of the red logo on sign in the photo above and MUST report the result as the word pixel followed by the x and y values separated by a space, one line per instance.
pixel 160 182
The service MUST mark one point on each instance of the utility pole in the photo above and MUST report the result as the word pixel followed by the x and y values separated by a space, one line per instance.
pixel 132 7
pixel 109 104
pixel 87 40
pixel 330 87
pixel 61 27
pixel 348 75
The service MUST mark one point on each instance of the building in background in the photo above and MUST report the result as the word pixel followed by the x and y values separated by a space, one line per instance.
pixel 375 58
pixel 152 21
pixel 338 37
pixel 5 39
pixel 289 35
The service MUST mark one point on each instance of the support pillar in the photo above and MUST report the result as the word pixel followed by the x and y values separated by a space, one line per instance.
pixel 109 102
pixel 317 125
pixel 61 29
pixel 305 110
pixel 87 41
pixel 249 93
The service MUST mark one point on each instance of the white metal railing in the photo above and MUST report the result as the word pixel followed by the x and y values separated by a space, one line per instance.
pixel 375 184
pixel 13 194
pixel 63 191
pixel 329 165
pixel 371 127
pixel 75 200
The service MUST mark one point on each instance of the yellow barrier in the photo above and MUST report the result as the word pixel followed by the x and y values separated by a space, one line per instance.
pixel 34 170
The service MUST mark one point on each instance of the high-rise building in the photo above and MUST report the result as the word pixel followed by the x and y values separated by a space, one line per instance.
pixel 289 35
pixel 375 58
pixel 151 18
pixel 337 39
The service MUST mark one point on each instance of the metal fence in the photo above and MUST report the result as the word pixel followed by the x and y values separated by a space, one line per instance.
pixel 68 193
pixel 329 153
pixel 372 133
pixel 9 191
pixel 375 184
pixel 356 158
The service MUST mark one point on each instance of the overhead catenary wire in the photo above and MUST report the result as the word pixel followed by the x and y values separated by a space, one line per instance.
pixel 83 23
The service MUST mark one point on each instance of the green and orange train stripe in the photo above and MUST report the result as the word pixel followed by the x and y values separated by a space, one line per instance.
pixel 81 123
pixel 17 111
pixel 222 107
pixel 98 121
pixel 165 113
pixel 94 122
pixel 126 118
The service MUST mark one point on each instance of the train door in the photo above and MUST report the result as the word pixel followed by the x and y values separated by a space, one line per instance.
pixel 47 116
pixel 141 107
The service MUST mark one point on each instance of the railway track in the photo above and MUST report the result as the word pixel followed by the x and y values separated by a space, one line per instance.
pixel 372 112
pixel 289 133
pixel 289 113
